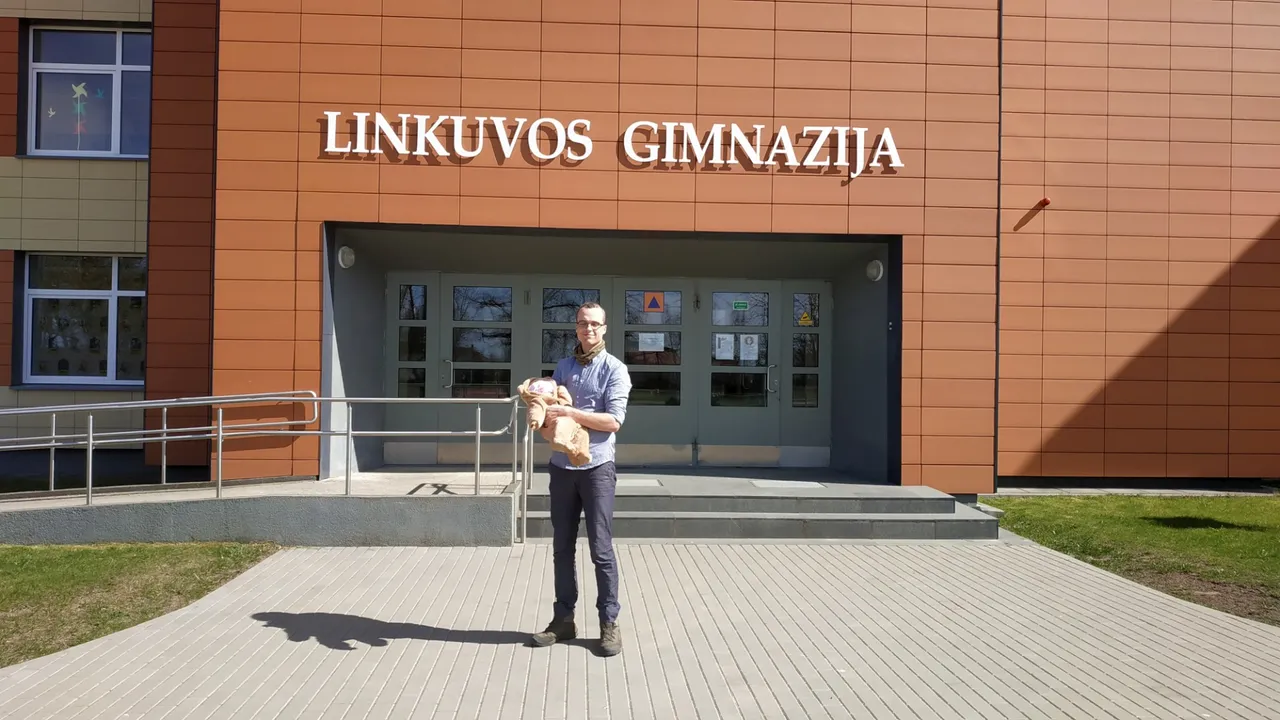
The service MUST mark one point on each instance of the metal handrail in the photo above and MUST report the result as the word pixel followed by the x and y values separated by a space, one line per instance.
pixel 220 431
pixel 53 440
pixel 193 401
pixel 351 433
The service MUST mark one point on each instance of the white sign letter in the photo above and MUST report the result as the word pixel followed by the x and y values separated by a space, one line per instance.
pixel 581 138
pixel 782 144
pixel 362 132
pixel 842 146
pixel 382 128
pixel 629 149
pixel 714 141
pixel 886 147
pixel 811 160
pixel 859 152
pixel 736 137
pixel 535 145
pixel 332 147
pixel 508 143
pixel 428 135
pixel 669 141
pixel 458 148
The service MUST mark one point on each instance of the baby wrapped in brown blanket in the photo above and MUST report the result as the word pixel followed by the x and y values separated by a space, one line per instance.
pixel 565 434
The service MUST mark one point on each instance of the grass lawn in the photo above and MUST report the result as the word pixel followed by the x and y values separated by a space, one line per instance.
pixel 1223 552
pixel 54 597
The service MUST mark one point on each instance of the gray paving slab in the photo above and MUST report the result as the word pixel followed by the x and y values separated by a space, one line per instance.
pixel 895 630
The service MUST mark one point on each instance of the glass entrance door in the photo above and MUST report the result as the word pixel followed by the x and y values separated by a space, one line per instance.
pixel 805 374
pixel 738 404
pixel 651 332
pixel 411 352
pixel 480 318
pixel 556 301
pixel 723 372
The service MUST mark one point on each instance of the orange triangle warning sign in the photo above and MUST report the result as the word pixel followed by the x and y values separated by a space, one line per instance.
pixel 654 302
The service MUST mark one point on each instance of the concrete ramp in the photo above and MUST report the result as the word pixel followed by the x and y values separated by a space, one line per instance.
pixel 298 520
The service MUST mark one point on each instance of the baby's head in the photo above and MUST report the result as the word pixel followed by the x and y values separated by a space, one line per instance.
pixel 543 386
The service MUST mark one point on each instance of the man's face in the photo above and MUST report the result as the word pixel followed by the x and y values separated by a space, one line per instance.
pixel 591 327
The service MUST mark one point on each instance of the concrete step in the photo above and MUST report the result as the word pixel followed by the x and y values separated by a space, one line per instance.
pixel 963 523
pixel 771 505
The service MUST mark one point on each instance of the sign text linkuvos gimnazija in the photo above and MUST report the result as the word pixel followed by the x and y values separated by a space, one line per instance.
pixel 644 141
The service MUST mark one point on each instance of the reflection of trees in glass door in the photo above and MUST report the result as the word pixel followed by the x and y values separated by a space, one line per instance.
pixel 411 354
pixel 483 322
pixel 412 327
pixel 480 354
pixel 557 335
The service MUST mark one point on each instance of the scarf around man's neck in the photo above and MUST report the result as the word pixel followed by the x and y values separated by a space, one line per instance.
pixel 585 358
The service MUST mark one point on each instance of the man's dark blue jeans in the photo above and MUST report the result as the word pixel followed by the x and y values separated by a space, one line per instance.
pixel 575 493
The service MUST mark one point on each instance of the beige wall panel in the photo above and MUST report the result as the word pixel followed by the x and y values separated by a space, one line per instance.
pixel 67 205
pixel 120 10
pixel 37 425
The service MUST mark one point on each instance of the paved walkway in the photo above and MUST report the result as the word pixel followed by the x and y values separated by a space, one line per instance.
pixel 886 630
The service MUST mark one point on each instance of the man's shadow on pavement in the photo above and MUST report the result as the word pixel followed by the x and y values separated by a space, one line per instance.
pixel 337 631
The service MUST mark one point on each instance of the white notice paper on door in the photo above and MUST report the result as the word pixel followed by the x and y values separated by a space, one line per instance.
pixel 652 342
pixel 724 346
pixel 750 348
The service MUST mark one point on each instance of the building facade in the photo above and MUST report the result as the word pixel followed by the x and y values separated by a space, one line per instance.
pixel 930 242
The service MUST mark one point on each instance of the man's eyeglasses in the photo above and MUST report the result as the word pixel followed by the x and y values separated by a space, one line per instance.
pixel 590 325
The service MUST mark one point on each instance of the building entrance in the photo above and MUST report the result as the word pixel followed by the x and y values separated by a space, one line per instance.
pixel 725 372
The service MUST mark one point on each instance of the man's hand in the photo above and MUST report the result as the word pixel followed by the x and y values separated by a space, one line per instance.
pixel 559 411
pixel 603 422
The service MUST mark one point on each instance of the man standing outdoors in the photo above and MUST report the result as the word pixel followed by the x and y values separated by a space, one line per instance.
pixel 600 385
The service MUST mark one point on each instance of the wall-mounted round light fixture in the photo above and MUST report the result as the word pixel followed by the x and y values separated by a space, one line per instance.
pixel 346 257
pixel 875 270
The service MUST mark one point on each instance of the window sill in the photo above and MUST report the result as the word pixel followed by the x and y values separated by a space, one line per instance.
pixel 70 387
pixel 129 158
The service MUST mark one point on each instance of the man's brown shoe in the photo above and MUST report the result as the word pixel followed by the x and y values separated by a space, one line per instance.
pixel 560 629
pixel 610 639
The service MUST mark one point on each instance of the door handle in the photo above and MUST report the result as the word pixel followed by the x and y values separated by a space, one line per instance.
pixel 450 383
pixel 768 379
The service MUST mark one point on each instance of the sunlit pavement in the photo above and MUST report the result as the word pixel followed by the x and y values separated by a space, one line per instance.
pixel 956 629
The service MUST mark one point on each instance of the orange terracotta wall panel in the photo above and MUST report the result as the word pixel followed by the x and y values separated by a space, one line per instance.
pixel 1140 310
pixel 180 228
pixel 929 74
pixel 10 68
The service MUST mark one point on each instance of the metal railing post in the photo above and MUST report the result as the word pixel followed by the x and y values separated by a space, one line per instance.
pixel 88 464
pixel 524 487
pixel 164 444
pixel 515 439
pixel 477 491
pixel 53 448
pixel 350 445
pixel 219 442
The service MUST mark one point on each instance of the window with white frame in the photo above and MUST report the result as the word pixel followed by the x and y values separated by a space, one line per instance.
pixel 85 319
pixel 89 92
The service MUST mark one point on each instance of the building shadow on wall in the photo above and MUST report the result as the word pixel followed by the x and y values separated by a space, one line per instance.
pixel 1197 406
